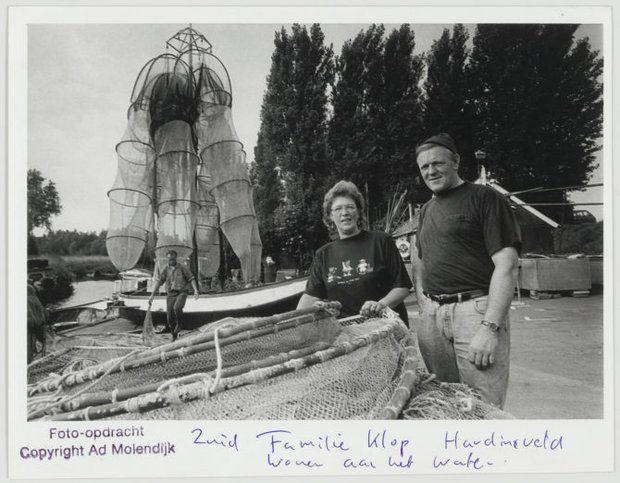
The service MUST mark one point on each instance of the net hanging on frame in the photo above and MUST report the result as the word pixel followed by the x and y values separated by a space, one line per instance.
pixel 181 160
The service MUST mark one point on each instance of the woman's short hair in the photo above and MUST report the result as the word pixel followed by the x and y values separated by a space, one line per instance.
pixel 348 189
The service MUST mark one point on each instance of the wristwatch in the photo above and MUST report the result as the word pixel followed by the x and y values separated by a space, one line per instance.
pixel 491 325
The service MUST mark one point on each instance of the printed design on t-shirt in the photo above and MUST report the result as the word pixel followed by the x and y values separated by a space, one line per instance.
pixel 350 272
pixel 332 274
pixel 347 270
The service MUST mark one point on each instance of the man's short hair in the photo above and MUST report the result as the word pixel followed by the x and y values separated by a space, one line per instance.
pixel 170 252
pixel 442 139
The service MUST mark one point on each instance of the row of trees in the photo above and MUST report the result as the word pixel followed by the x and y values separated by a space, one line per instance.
pixel 528 95
pixel 43 204
pixel 72 242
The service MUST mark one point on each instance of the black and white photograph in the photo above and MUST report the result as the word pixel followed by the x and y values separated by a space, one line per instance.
pixel 318 220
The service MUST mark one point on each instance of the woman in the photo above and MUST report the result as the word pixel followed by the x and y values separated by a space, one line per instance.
pixel 361 269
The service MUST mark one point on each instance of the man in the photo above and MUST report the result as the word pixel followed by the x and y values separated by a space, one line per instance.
pixel 177 278
pixel 467 243
pixel 36 323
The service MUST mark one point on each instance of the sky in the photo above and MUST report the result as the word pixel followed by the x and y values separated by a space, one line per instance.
pixel 80 79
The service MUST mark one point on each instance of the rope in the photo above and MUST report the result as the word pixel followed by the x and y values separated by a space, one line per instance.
pixel 218 355
pixel 172 390
pixel 99 347
pixel 198 376
pixel 34 414
pixel 431 377
pixel 44 401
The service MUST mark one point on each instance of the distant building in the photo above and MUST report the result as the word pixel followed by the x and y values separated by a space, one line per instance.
pixel 536 228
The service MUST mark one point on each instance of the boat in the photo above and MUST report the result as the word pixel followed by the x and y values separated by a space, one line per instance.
pixel 258 301
pixel 183 181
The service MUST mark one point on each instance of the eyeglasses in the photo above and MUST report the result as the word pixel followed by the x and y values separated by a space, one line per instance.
pixel 347 208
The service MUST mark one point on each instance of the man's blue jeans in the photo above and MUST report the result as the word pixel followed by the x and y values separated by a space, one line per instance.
pixel 444 334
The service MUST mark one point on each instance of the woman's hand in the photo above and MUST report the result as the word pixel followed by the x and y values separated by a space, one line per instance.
pixel 319 303
pixel 372 307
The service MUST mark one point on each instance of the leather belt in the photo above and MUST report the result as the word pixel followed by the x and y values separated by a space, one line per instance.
pixel 456 297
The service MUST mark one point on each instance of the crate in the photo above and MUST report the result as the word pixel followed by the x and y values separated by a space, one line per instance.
pixel 555 274
pixel 596 270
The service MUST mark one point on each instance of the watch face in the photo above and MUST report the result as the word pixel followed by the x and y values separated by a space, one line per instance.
pixel 491 325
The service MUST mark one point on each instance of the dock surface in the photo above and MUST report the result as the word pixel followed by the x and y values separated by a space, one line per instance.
pixel 556 357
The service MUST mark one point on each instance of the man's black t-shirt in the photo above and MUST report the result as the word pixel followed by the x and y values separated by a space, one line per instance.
pixel 459 230
pixel 356 269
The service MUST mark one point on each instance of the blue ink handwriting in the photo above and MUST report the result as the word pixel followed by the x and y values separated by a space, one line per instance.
pixel 222 440
pixel 472 462
pixel 362 463
pixel 381 441
pixel 546 441
pixel 285 440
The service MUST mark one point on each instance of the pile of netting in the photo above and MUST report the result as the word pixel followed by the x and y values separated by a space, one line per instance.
pixel 68 354
pixel 304 364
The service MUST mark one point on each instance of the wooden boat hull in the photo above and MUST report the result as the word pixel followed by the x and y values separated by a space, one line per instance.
pixel 251 302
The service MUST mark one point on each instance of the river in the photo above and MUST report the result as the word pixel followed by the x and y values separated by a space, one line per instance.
pixel 88 291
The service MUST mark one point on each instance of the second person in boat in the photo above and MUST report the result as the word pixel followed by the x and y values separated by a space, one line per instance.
pixel 361 269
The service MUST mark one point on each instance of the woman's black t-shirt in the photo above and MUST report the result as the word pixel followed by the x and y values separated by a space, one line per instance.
pixel 356 269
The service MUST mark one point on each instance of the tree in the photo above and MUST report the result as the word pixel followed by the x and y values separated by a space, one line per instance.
pixel 376 112
pixel 447 107
pixel 290 157
pixel 539 106
pixel 353 141
pixel 403 109
pixel 271 144
pixel 43 201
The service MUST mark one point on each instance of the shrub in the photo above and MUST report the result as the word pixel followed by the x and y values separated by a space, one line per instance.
pixel 586 238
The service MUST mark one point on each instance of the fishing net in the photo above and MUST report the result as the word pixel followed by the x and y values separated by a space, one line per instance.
pixel 300 365
pixel 442 400
pixel 181 106
pixel 131 212
pixel 84 352
pixel 207 230
pixel 213 81
pixel 177 197
pixel 224 162
pixel 127 234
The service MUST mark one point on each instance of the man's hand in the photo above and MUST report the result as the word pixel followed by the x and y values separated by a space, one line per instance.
pixel 196 295
pixel 150 301
pixel 371 308
pixel 482 348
